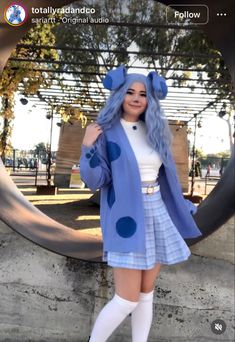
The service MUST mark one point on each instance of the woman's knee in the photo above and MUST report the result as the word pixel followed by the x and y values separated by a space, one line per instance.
pixel 147 288
pixel 127 283
pixel 149 278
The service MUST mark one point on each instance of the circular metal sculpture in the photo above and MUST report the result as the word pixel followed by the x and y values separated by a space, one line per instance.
pixel 19 214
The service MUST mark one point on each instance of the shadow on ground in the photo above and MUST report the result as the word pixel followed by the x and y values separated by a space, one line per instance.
pixel 81 214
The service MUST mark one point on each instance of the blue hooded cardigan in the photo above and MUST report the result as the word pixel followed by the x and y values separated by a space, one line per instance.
pixel 110 165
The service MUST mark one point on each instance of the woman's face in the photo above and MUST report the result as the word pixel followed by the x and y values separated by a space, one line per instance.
pixel 135 102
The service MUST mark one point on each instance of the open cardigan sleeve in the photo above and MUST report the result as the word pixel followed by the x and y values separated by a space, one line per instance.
pixel 192 208
pixel 94 166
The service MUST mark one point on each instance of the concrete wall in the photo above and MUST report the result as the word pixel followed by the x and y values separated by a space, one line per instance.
pixel 180 153
pixel 219 245
pixel 47 297
pixel 70 141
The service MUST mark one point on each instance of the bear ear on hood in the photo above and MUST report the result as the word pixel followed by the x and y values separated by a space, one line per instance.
pixel 159 85
pixel 115 78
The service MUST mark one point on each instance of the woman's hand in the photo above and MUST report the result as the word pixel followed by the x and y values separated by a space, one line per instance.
pixel 91 134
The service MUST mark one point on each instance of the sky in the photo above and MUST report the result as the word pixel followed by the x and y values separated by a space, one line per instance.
pixel 32 127
pixel 213 137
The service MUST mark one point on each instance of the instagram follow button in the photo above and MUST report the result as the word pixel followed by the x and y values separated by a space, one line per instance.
pixel 15 14
pixel 180 14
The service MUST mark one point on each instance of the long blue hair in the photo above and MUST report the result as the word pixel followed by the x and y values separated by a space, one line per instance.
pixel 158 131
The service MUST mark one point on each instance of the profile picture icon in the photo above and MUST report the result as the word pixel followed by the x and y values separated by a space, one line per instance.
pixel 15 15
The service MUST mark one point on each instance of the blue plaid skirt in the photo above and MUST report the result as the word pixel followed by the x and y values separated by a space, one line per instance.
pixel 164 243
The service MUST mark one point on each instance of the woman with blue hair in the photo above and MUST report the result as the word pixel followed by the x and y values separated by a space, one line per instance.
pixel 144 217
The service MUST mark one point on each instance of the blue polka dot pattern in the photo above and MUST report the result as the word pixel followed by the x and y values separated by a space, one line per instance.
pixel 94 162
pixel 111 196
pixel 114 151
pixel 94 159
pixel 126 226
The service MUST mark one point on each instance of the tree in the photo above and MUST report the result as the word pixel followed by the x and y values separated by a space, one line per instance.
pixel 98 45
pixel 7 118
pixel 177 54
pixel 23 73
pixel 104 46
pixel 40 150
pixel 199 153
pixel 188 49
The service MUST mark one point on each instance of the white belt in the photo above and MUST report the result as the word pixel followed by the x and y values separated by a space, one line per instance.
pixel 150 189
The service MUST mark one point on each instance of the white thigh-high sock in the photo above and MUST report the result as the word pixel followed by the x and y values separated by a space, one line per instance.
pixel 110 317
pixel 141 318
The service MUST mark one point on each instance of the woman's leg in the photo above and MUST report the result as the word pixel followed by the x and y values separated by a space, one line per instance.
pixel 127 290
pixel 141 317
pixel 127 283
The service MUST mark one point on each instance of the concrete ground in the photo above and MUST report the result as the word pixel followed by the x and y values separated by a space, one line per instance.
pixel 47 297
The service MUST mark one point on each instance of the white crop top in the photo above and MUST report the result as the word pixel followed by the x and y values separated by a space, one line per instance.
pixel 147 158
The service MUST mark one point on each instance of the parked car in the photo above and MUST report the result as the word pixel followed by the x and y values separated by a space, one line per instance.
pixel 8 162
